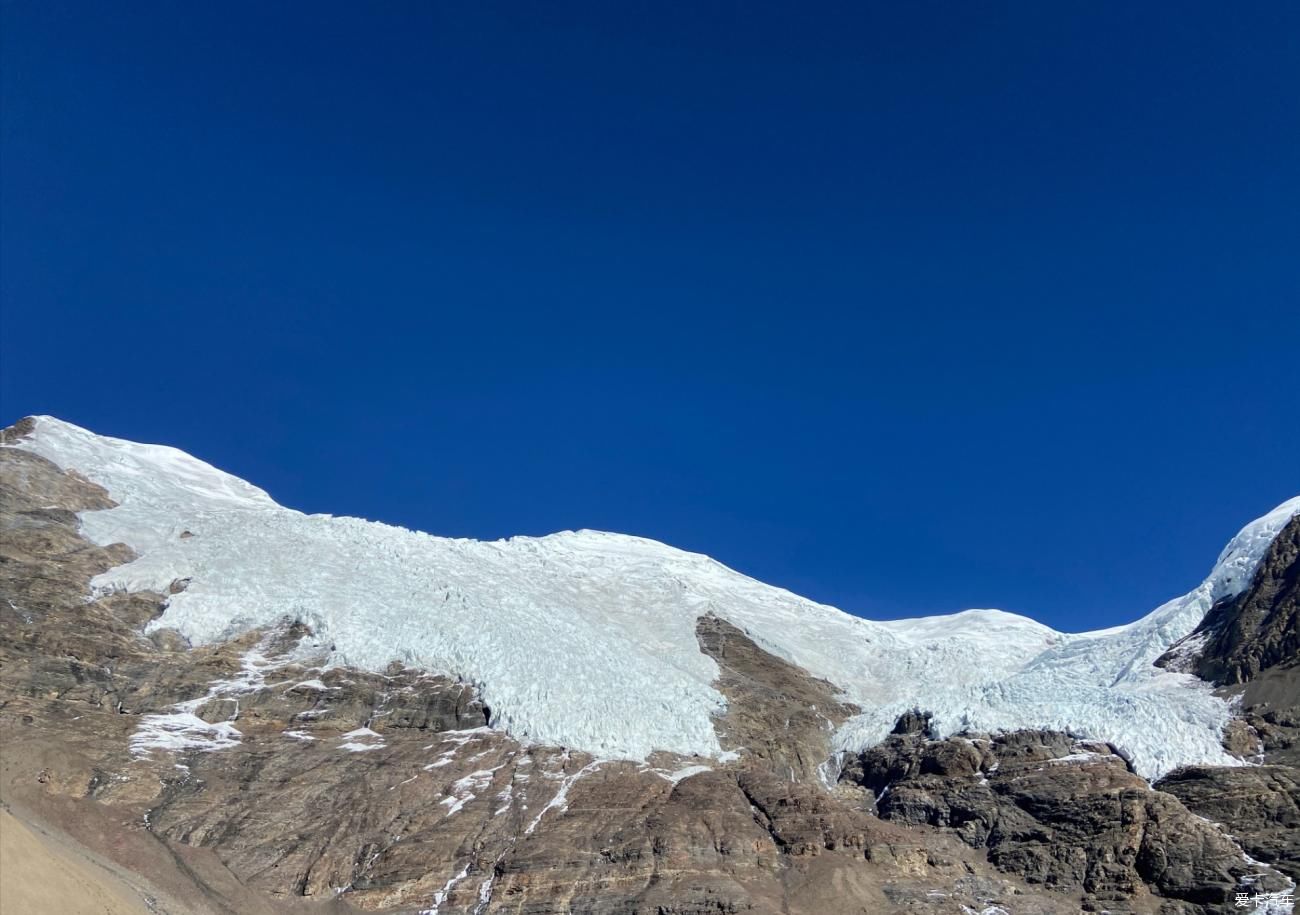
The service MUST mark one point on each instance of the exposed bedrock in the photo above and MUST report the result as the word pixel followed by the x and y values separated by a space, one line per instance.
pixel 1250 646
pixel 1057 811
pixel 1260 628
pixel 777 715
pixel 1262 804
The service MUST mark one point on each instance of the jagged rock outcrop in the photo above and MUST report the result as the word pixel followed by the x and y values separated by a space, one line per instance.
pixel 1258 629
pixel 1058 811
pixel 1250 646
pixel 1262 804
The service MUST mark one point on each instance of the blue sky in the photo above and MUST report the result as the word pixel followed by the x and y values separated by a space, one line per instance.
pixel 906 307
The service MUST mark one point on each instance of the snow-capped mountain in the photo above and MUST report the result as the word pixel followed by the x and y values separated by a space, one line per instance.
pixel 367 718
pixel 588 639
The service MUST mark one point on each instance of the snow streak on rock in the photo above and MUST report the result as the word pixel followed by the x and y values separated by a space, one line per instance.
pixel 180 729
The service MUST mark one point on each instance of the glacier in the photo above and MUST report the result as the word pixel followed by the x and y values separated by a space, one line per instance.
pixel 586 639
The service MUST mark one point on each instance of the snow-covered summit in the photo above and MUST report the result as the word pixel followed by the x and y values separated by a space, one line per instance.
pixel 587 639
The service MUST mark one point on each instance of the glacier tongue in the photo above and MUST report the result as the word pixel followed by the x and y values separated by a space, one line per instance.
pixel 587 639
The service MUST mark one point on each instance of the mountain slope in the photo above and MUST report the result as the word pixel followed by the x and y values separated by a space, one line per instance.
pixel 261 772
pixel 611 621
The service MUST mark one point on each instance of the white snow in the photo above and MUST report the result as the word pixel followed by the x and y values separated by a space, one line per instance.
pixel 1072 758
pixel 485 893
pixel 455 802
pixel 464 790
pixel 506 797
pixel 587 639
pixel 441 896
pixel 361 740
pixel 560 802
pixel 180 729
pixel 678 775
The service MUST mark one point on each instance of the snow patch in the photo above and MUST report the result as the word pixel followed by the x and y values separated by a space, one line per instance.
pixel 362 740
pixel 1074 758
pixel 680 774
pixel 464 790
pixel 560 801
pixel 180 729
pixel 441 895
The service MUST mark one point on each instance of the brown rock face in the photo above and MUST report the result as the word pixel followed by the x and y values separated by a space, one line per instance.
pixel 1260 628
pixel 1261 803
pixel 1057 811
pixel 1251 647
pixel 251 777
pixel 776 712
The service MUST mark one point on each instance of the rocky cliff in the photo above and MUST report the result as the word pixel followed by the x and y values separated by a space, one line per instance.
pixel 1249 645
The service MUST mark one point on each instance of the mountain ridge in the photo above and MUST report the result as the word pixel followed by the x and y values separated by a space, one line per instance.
pixel 262 773
pixel 490 611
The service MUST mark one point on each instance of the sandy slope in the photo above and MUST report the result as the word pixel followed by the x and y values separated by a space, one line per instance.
pixel 43 874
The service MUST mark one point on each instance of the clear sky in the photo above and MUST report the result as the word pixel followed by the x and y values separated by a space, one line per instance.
pixel 908 307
